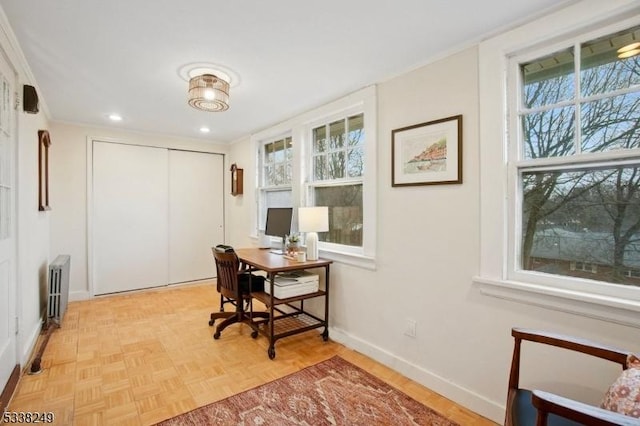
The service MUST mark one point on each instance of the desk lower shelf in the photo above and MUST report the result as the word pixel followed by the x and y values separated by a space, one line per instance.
pixel 289 324
pixel 282 324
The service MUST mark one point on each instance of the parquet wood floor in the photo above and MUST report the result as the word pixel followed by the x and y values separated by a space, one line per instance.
pixel 139 358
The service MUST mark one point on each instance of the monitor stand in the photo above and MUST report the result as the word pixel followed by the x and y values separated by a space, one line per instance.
pixel 276 251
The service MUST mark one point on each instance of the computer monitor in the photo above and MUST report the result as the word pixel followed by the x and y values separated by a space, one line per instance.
pixel 278 222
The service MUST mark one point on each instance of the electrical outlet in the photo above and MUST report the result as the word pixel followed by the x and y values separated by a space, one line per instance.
pixel 410 328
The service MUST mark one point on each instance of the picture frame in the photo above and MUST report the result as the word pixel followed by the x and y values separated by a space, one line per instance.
pixel 5 106
pixel 44 142
pixel 428 153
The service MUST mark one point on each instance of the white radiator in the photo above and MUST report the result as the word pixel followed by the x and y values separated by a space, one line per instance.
pixel 58 288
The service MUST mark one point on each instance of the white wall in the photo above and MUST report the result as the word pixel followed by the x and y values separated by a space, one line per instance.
pixel 428 252
pixel 32 226
pixel 68 189
pixel 33 235
pixel 240 209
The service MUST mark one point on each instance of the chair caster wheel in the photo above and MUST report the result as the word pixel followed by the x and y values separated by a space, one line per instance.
pixel 272 353
pixel 211 322
pixel 216 335
pixel 254 334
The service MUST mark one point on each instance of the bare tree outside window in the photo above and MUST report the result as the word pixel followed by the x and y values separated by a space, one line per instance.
pixel 337 171
pixel 583 211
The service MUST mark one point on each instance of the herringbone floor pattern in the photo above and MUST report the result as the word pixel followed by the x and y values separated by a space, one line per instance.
pixel 139 358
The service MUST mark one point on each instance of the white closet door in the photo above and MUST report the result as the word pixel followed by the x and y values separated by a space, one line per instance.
pixel 130 217
pixel 196 193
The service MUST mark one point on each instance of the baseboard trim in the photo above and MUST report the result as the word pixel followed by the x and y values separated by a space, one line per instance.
pixel 460 395
pixel 75 296
pixel 8 390
pixel 29 343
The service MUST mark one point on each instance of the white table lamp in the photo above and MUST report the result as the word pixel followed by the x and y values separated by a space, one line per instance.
pixel 313 220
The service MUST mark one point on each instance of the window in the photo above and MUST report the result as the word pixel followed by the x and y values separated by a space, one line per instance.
pixel 326 157
pixel 560 155
pixel 275 163
pixel 336 178
pixel 578 164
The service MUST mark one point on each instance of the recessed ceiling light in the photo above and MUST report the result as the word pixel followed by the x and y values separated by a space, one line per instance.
pixel 115 117
pixel 205 129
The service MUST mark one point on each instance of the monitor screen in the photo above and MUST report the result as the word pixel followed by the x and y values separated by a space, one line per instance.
pixel 278 221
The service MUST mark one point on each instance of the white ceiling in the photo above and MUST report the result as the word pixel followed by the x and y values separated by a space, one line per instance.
pixel 94 57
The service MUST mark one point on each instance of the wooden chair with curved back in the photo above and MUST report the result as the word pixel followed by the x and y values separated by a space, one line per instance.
pixel 534 407
pixel 233 285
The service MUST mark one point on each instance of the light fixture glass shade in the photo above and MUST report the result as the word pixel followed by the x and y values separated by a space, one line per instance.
pixel 208 93
pixel 313 220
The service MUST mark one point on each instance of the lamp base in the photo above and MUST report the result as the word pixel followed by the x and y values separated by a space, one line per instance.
pixel 312 246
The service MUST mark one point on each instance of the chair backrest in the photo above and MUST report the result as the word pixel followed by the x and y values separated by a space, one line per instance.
pixel 560 341
pixel 227 265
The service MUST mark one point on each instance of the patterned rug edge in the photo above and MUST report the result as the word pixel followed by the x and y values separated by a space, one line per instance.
pixel 317 366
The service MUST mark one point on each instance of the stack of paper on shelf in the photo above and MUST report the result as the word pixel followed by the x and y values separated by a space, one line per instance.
pixel 293 284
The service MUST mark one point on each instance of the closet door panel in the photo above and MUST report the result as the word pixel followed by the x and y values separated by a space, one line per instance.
pixel 196 209
pixel 130 217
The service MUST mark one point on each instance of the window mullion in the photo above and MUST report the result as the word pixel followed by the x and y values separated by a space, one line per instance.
pixel 577 96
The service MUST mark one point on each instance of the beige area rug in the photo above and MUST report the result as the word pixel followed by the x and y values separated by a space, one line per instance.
pixel 333 392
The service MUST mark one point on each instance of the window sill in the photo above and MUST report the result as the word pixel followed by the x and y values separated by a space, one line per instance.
pixel 605 308
pixel 357 260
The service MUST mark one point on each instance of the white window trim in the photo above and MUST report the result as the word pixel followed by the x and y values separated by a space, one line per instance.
pixel 497 192
pixel 365 101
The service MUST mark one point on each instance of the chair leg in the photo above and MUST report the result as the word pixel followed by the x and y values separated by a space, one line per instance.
pixel 219 315
pixel 234 318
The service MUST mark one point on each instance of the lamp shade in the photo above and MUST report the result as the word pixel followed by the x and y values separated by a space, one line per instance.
pixel 208 93
pixel 313 219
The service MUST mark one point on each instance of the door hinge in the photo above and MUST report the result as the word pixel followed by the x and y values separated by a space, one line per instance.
pixel 17 325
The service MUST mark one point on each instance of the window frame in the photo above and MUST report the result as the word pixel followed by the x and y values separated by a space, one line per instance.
pixel 517 165
pixel 310 182
pixel 299 127
pixel 262 188
pixel 498 274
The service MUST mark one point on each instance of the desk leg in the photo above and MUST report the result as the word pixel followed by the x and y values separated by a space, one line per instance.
pixel 254 329
pixel 325 333
pixel 271 351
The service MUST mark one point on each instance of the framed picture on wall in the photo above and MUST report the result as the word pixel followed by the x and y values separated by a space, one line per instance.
pixel 44 142
pixel 5 101
pixel 427 153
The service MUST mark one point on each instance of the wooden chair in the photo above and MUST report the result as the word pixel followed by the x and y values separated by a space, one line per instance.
pixel 526 407
pixel 233 285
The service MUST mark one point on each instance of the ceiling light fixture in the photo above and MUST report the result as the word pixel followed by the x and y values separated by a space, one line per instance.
pixel 208 92
pixel 205 129
pixel 115 117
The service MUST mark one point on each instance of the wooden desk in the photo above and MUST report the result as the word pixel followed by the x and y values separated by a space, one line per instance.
pixel 295 320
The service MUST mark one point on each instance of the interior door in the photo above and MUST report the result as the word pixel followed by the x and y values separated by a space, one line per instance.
pixel 130 217
pixel 196 211
pixel 8 295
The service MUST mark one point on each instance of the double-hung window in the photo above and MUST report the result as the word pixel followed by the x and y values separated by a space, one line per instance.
pixel 326 157
pixel 275 165
pixel 336 177
pixel 574 165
